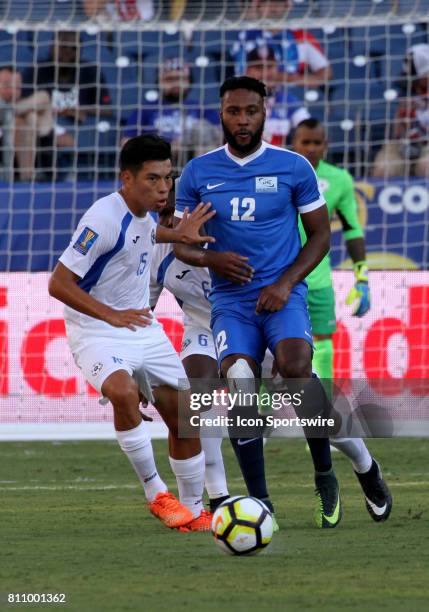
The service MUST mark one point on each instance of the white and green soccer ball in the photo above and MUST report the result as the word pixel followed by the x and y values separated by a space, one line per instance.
pixel 242 525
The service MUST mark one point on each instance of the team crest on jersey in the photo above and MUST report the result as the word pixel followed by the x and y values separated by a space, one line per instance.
pixel 96 368
pixel 266 184
pixel 85 241
pixel 186 343
pixel 153 236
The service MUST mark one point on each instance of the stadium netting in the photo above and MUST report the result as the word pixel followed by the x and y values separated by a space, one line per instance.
pixel 111 86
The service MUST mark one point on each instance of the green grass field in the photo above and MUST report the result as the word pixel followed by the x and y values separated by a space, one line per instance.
pixel 73 520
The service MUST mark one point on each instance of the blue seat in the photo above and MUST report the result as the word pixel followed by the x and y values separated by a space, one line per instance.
pixel 15 50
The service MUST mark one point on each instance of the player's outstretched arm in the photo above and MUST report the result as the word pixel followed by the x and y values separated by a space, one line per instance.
pixel 227 264
pixel 359 293
pixel 187 231
pixel 318 230
pixel 355 243
pixel 316 226
pixel 63 286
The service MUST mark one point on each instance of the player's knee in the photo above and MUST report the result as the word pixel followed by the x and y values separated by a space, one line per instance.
pixel 241 378
pixel 299 367
pixel 123 397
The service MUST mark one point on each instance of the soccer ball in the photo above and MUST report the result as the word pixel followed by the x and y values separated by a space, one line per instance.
pixel 242 525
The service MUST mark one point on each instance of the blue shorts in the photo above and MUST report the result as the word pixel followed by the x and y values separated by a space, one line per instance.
pixel 238 329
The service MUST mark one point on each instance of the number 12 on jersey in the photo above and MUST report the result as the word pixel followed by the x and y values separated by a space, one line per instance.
pixel 243 211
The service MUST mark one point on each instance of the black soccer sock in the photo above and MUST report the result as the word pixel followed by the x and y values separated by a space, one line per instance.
pixel 215 502
pixel 250 456
pixel 320 453
pixel 315 404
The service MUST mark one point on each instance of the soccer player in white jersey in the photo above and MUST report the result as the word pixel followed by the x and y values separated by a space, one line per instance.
pixel 103 280
pixel 191 287
pixel 258 269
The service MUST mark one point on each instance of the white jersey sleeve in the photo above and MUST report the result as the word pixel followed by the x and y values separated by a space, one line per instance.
pixel 189 285
pixel 93 237
pixel 111 252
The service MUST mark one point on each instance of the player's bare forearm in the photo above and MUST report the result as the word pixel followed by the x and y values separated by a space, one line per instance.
pixel 228 264
pixel 356 249
pixel 318 231
pixel 274 297
pixel 193 255
pixel 63 286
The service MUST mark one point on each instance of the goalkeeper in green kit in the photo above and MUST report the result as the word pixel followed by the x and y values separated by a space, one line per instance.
pixel 336 185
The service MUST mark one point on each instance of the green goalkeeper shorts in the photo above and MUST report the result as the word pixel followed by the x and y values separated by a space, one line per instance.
pixel 321 306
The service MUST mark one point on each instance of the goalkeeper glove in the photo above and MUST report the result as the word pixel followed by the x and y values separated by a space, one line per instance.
pixel 360 291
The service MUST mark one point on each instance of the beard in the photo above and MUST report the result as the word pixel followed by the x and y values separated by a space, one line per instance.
pixel 245 148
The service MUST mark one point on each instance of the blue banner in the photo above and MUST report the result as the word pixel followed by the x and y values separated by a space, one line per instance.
pixel 395 218
pixel 36 223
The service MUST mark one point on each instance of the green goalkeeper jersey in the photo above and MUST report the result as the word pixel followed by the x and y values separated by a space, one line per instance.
pixel 336 186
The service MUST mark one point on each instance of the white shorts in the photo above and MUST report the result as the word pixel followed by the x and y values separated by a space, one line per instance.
pixel 147 356
pixel 197 340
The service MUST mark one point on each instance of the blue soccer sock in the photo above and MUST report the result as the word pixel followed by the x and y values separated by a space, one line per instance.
pixel 250 456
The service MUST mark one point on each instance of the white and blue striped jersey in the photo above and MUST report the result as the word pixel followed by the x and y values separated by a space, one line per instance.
pixel 189 285
pixel 110 251
pixel 257 200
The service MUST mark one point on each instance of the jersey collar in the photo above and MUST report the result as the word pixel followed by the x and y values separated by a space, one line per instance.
pixel 242 161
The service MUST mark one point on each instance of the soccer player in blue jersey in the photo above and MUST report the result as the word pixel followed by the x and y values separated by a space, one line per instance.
pixel 258 269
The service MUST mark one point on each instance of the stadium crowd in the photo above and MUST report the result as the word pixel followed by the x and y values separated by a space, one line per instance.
pixel 68 99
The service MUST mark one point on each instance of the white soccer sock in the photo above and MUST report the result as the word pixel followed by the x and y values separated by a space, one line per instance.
pixel 355 449
pixel 215 477
pixel 190 481
pixel 137 445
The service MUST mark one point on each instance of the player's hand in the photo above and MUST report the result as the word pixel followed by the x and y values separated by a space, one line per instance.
pixel 360 292
pixel 131 318
pixel 273 297
pixel 144 402
pixel 190 224
pixel 230 265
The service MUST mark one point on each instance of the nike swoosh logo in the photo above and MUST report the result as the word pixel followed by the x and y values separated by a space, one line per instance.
pixel 214 186
pixel 333 519
pixel 241 442
pixel 376 509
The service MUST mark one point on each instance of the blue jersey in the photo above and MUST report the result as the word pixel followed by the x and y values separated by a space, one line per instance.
pixel 169 120
pixel 257 200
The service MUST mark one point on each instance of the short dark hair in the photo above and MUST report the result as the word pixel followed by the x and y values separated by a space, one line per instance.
pixel 311 123
pixel 243 82
pixel 138 150
pixel 259 54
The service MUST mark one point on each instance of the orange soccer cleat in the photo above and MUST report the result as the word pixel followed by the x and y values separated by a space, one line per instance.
pixel 170 511
pixel 200 523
